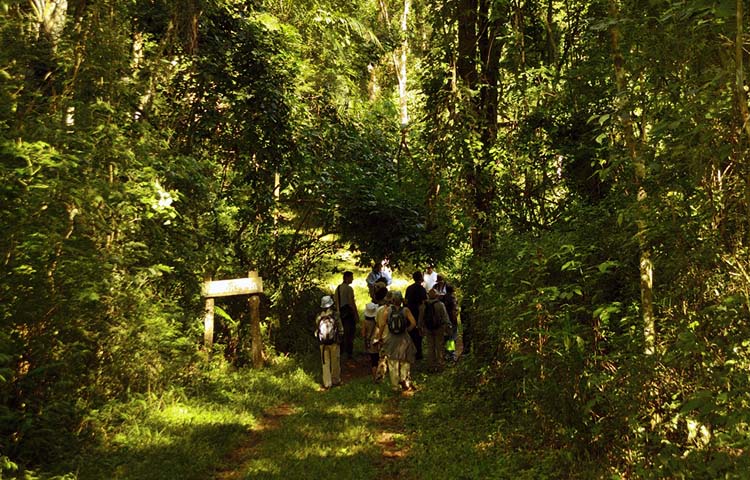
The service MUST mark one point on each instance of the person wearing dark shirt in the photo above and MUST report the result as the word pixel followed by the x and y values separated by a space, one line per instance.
pixel 415 298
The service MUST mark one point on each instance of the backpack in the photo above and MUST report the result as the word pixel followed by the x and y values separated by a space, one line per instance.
pixel 429 316
pixel 327 332
pixel 397 322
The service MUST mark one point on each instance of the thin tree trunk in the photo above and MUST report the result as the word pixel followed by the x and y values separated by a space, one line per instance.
pixel 401 65
pixel 400 58
pixel 739 70
pixel 634 151
pixel 256 347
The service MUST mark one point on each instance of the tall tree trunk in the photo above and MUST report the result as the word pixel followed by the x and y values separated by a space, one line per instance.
pixel 477 69
pixel 401 65
pixel 467 41
pixel 633 146
pixel 739 70
pixel 742 102
pixel 400 58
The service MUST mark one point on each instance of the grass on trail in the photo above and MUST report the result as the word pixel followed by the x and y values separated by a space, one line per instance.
pixel 333 434
pixel 181 436
pixel 276 423
pixel 222 431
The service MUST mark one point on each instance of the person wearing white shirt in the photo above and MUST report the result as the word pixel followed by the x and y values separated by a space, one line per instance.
pixel 430 278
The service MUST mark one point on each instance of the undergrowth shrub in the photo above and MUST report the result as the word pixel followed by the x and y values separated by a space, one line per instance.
pixel 561 346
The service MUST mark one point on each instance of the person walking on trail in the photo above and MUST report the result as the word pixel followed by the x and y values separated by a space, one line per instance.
pixel 348 313
pixel 397 346
pixel 368 332
pixel 381 291
pixel 416 295
pixel 430 278
pixel 328 332
pixel 434 322
pixel 440 286
pixel 377 275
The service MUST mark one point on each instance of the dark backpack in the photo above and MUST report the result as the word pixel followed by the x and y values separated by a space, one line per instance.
pixel 430 320
pixel 327 332
pixel 397 322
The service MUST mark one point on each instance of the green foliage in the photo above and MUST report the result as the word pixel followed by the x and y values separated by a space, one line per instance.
pixel 185 432
pixel 145 145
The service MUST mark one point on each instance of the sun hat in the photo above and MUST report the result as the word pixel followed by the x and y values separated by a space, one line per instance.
pixel 371 309
pixel 326 302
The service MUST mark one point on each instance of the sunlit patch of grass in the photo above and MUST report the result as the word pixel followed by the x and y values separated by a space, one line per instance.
pixel 178 435
pixel 333 436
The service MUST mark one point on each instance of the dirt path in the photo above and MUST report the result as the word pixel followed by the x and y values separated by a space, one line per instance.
pixel 389 431
pixel 234 462
pixel 393 441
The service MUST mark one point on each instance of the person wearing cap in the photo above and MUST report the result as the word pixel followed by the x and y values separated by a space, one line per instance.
pixel 398 348
pixel 330 354
pixel 368 331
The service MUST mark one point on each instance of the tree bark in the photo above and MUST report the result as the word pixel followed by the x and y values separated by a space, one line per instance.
pixel 256 349
pixel 639 166
pixel 739 70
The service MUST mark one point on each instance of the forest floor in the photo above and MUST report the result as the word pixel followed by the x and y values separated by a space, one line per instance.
pixel 387 434
pixel 277 423
pixel 383 424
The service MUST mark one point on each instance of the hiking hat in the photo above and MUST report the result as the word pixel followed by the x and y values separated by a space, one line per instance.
pixel 371 309
pixel 326 302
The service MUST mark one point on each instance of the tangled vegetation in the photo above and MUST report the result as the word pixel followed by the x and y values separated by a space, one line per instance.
pixel 578 169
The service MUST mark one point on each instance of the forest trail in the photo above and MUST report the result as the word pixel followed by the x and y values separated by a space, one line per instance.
pixel 380 444
pixel 232 465
pixel 393 440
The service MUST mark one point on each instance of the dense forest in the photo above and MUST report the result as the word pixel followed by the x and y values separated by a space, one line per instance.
pixel 578 168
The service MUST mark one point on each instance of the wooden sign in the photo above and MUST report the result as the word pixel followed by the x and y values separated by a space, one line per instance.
pixel 252 285
pixel 237 286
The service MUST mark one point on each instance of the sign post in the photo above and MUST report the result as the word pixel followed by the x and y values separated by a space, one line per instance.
pixel 253 286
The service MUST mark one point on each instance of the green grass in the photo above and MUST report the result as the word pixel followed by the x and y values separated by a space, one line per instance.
pixel 460 435
pixel 190 436
pixel 180 436
pixel 331 435
pixel 450 433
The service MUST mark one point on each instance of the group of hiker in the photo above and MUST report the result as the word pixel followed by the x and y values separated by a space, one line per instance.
pixel 395 326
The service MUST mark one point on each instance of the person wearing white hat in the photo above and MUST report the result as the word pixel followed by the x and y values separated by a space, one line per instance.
pixel 368 330
pixel 329 330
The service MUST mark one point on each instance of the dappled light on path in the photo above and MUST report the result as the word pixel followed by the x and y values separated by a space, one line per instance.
pixel 271 419
pixel 352 431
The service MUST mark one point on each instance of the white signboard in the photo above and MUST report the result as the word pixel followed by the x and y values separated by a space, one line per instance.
pixel 238 286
